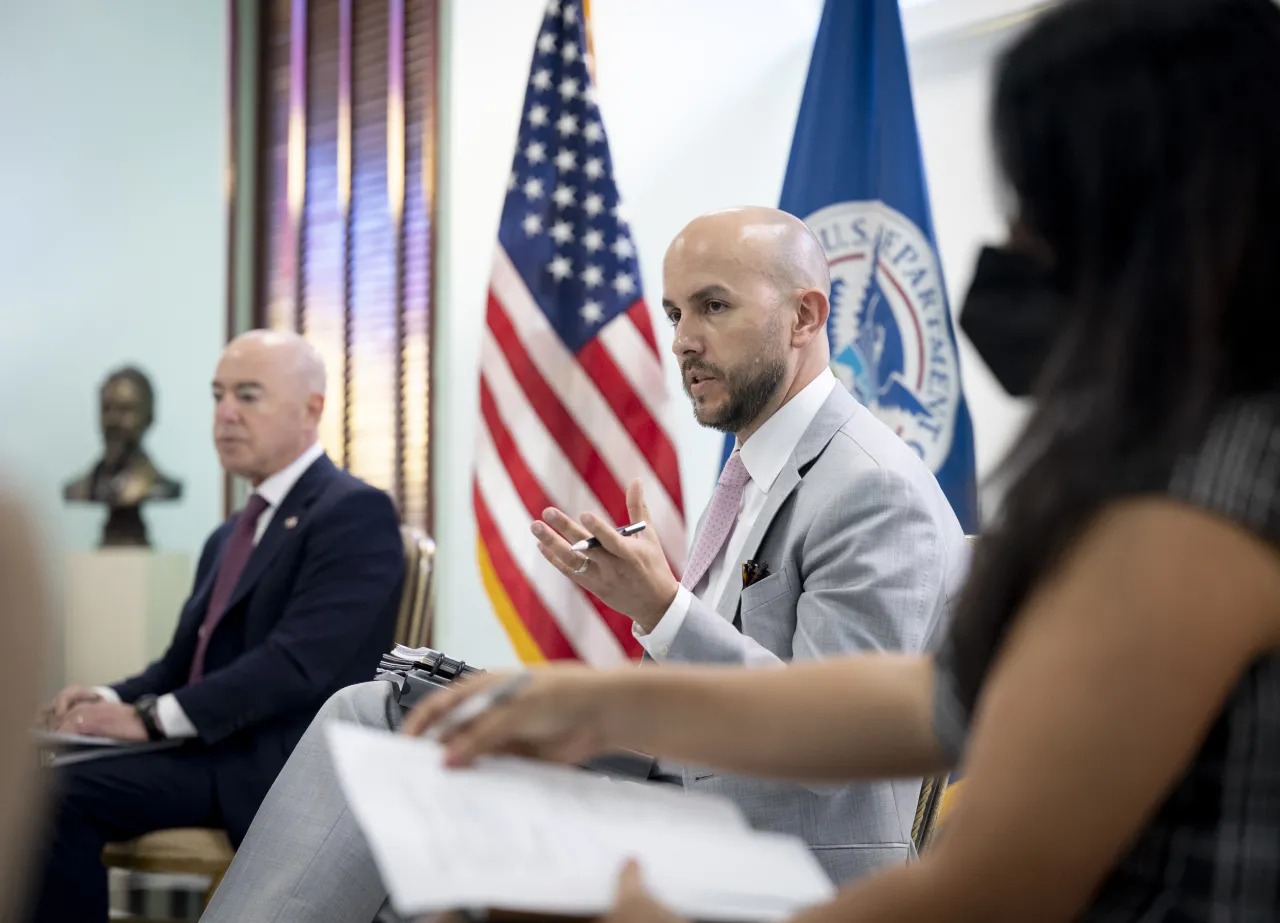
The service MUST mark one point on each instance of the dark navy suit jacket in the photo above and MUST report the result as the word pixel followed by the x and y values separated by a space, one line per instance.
pixel 313 612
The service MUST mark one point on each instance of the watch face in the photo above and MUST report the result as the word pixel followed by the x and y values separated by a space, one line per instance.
pixel 146 709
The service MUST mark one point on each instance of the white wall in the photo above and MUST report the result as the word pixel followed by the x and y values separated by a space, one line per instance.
pixel 699 98
pixel 112 241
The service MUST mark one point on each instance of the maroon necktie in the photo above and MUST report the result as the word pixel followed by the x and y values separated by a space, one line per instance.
pixel 234 557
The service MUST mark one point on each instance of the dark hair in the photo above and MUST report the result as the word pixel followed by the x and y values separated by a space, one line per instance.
pixel 1142 141
pixel 138 378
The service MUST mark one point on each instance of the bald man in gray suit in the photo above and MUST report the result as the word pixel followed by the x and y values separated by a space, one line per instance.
pixel 841 534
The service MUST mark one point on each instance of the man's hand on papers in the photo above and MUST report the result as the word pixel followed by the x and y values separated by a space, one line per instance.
pixel 634 904
pixel 104 719
pixel 630 575
pixel 52 715
pixel 560 715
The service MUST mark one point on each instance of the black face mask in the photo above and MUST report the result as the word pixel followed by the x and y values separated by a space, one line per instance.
pixel 1012 315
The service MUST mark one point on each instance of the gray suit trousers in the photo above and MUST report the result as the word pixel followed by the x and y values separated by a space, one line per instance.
pixel 304 858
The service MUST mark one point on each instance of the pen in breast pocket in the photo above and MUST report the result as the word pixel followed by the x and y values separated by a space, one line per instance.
pixel 594 542
pixel 478 704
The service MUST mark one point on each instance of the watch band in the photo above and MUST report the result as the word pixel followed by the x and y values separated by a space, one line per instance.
pixel 146 709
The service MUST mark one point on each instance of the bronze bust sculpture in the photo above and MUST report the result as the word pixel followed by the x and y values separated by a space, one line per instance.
pixel 124 478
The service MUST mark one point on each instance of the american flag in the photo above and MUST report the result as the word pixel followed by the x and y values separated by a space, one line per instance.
pixel 573 401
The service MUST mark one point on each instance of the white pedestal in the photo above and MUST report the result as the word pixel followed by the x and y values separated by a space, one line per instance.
pixel 121 609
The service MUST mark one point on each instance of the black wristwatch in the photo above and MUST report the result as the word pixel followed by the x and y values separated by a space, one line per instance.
pixel 146 709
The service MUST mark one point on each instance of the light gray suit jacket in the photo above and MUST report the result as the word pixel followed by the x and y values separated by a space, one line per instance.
pixel 865 554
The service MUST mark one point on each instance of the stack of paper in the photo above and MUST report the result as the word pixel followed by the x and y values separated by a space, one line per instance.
pixel 410 653
pixel 63 739
pixel 64 749
pixel 523 836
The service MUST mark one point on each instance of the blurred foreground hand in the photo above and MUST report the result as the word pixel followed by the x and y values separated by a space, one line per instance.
pixel 565 714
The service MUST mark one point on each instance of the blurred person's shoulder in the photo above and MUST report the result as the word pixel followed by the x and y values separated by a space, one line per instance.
pixel 15 520
pixel 1234 471
pixel 343 495
pixel 20 551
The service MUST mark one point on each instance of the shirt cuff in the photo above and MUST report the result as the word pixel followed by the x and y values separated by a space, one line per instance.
pixel 108 694
pixel 173 720
pixel 657 643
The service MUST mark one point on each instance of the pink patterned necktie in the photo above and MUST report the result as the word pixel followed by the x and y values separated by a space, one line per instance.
pixel 721 516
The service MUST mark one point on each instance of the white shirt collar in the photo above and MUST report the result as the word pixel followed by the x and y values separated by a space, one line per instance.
pixel 769 447
pixel 275 488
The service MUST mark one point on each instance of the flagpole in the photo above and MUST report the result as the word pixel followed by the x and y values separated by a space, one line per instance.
pixel 591 47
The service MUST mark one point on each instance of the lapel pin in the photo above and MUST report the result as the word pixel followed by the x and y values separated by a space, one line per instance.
pixel 291 522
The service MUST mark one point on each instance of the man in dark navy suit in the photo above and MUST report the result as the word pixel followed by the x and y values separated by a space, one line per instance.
pixel 295 597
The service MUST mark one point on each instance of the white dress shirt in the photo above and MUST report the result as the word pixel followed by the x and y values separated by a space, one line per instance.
pixel 764 455
pixel 169 714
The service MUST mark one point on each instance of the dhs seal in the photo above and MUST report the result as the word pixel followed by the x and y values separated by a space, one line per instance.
pixel 890 340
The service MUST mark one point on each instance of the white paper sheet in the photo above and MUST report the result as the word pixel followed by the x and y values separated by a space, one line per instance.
pixel 410 653
pixel 62 739
pixel 518 835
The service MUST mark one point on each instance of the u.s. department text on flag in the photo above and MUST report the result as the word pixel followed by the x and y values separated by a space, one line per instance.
pixel 573 402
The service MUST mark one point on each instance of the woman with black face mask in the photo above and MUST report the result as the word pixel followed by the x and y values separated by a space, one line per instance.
pixel 1111 682
pixel 1014 311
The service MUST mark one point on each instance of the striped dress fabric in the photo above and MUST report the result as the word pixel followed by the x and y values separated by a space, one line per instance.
pixel 1211 852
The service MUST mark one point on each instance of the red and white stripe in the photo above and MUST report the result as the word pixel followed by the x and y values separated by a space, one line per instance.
pixel 570 431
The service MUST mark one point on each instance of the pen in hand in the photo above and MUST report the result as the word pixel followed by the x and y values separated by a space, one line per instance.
pixel 593 542
pixel 478 704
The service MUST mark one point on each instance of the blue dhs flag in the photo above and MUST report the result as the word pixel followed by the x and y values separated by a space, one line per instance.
pixel 856 178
